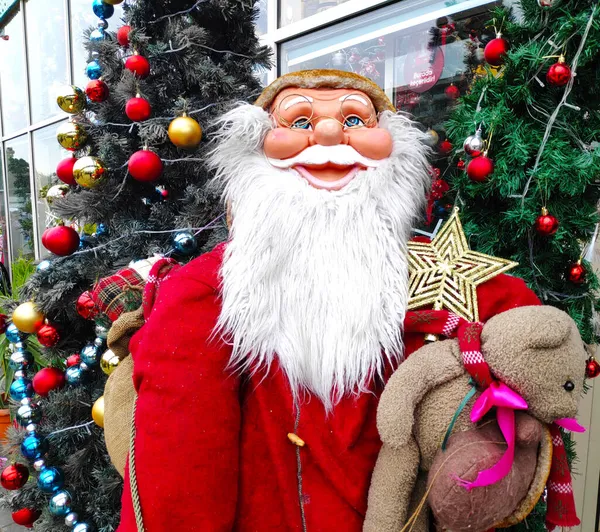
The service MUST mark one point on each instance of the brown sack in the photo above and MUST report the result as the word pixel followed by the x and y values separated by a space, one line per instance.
pixel 119 393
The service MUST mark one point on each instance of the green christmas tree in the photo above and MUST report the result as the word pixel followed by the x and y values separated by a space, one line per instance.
pixel 537 115
pixel 202 57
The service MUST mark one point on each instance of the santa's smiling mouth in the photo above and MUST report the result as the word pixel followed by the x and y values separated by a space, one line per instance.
pixel 328 176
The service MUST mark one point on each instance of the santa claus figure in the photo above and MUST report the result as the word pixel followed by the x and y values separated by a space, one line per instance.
pixel 259 369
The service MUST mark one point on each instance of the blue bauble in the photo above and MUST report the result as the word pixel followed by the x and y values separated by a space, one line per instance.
pixel 82 527
pixel 102 10
pixel 13 334
pixel 97 35
pixel 21 388
pixel 60 503
pixel 101 229
pixel 34 447
pixel 43 266
pixel 185 242
pixel 74 375
pixel 50 479
pixel 30 413
pixel 90 354
pixel 20 360
pixel 93 70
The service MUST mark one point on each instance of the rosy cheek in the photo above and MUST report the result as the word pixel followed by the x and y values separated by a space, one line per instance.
pixel 282 143
pixel 374 143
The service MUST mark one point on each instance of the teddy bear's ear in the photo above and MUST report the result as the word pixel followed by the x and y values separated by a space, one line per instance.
pixel 537 327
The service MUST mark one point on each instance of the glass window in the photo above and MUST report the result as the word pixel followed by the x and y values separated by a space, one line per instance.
pixel 19 197
pixel 295 10
pixel 46 155
pixel 4 251
pixel 47 55
pixel 261 21
pixel 12 77
pixel 83 18
pixel 422 54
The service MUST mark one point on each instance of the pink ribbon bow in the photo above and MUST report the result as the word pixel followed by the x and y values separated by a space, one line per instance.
pixel 506 401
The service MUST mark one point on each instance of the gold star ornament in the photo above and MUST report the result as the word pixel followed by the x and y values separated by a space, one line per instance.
pixel 445 273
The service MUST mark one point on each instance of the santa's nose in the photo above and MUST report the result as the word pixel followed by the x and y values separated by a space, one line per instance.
pixel 328 132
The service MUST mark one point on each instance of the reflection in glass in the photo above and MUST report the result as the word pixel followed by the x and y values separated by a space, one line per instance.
pixel 19 197
pixel 12 77
pixel 83 18
pixel 295 10
pixel 4 251
pixel 47 54
pixel 423 60
pixel 261 21
pixel 46 154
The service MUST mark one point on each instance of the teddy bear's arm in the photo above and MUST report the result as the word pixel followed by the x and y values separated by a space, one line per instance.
pixel 427 368
pixel 391 488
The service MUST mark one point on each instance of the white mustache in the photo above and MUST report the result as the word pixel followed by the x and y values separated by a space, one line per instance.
pixel 340 154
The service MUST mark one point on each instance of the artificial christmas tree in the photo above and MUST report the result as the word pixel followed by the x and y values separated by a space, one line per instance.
pixel 183 57
pixel 539 207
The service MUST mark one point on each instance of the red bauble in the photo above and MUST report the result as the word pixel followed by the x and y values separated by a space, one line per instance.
pixel 86 307
pixel 546 224
pixel 452 92
pixel 3 325
pixel 60 240
pixel 138 109
pixel 495 51
pixel 460 164
pixel 577 273
pixel 26 517
pixel 438 189
pixel 592 368
pixel 145 165
pixel 480 168
pixel 48 336
pixel 73 360
pixel 97 90
pixel 64 170
pixel 48 379
pixel 558 74
pixel 123 35
pixel 14 477
pixel 445 147
pixel 139 65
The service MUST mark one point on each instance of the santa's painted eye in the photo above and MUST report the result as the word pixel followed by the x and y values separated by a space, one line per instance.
pixel 302 123
pixel 354 121
pixel 569 386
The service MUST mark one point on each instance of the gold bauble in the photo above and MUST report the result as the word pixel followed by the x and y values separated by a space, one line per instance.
pixel 185 132
pixel 89 172
pixel 98 412
pixel 56 191
pixel 27 318
pixel 109 362
pixel 71 136
pixel 71 99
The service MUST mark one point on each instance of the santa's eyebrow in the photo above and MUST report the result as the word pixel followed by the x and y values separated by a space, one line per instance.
pixel 297 99
pixel 356 97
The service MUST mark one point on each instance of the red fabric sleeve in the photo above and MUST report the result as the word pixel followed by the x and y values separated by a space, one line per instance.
pixel 188 415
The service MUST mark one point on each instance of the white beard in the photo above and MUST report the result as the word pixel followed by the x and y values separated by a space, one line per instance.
pixel 316 279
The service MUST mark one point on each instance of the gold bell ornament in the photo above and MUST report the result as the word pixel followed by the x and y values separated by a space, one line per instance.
pixel 71 136
pixel 71 99
pixel 89 172
pixel 109 362
pixel 27 318
pixel 185 132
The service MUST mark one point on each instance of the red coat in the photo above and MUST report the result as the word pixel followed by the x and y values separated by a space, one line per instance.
pixel 212 449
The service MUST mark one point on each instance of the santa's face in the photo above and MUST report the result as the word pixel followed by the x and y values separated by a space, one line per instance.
pixel 326 135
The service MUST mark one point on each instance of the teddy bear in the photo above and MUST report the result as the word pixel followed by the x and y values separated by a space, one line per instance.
pixel 536 352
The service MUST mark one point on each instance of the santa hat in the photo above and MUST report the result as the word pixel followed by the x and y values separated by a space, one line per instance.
pixel 326 79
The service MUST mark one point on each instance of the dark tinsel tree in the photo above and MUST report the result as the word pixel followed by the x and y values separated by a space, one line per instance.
pixel 537 110
pixel 203 57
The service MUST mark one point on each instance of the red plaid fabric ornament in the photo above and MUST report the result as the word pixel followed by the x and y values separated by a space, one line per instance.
pixel 118 293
